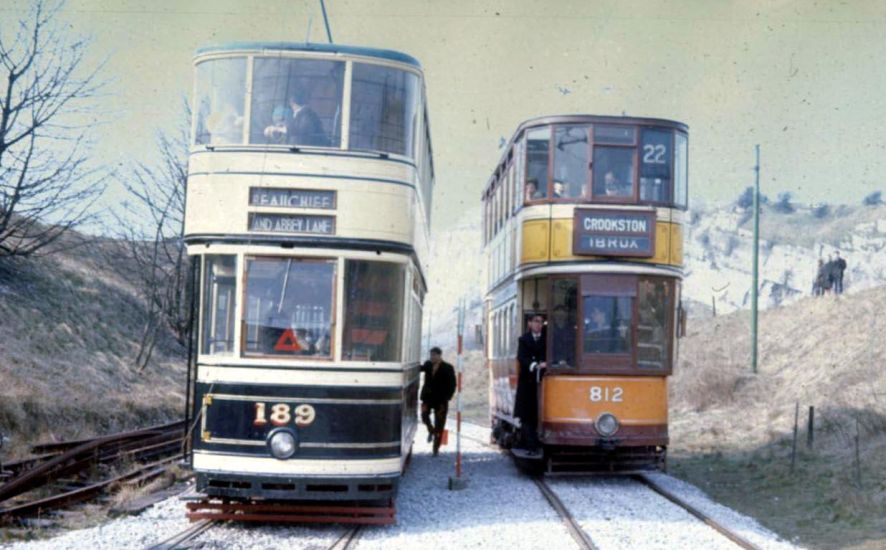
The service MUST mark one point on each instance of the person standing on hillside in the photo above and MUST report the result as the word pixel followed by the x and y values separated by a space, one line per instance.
pixel 531 354
pixel 839 268
pixel 438 389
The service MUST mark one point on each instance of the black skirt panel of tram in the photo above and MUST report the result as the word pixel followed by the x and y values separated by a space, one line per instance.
pixel 328 422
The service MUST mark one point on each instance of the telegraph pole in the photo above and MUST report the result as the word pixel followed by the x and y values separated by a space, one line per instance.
pixel 754 290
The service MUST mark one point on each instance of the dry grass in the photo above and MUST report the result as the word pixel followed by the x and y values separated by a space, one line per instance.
pixel 731 430
pixel 69 334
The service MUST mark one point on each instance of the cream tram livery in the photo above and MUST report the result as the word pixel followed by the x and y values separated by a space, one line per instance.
pixel 584 226
pixel 308 199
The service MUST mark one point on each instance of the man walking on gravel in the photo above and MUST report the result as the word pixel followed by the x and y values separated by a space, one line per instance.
pixel 438 389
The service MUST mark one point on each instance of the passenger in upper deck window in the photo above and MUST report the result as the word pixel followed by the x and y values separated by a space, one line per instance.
pixel 614 187
pixel 532 192
pixel 296 124
pixel 304 127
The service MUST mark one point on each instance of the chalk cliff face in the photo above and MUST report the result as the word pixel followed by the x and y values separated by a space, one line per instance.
pixel 718 255
pixel 719 252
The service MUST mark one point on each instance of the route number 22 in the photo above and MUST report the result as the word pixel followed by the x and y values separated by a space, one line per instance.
pixel 610 395
pixel 654 154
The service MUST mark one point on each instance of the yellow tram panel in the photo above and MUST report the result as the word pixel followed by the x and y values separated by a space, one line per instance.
pixel 635 401
pixel 551 240
pixel 536 240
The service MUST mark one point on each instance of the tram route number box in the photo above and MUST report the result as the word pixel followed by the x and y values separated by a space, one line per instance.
pixel 613 233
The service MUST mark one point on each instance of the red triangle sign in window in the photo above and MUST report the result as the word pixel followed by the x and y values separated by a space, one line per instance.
pixel 287 342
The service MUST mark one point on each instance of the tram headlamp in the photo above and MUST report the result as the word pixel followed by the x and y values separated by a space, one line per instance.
pixel 606 424
pixel 282 444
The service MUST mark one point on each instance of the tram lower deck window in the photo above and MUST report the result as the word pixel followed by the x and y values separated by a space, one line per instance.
pixel 373 307
pixel 289 307
pixel 607 324
pixel 219 290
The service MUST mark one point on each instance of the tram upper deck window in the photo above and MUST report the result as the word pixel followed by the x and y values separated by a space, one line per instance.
pixel 571 151
pixel 219 291
pixel 655 166
pixel 289 305
pixel 537 154
pixel 296 102
pixel 613 172
pixel 654 306
pixel 221 98
pixel 373 310
pixel 384 109
pixel 681 169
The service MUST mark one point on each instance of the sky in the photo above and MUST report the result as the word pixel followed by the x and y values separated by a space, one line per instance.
pixel 802 79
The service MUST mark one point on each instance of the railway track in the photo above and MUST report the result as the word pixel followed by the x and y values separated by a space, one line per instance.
pixel 585 541
pixel 188 537
pixel 61 474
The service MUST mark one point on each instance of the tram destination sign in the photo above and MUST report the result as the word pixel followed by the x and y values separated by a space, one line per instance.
pixel 291 198
pixel 292 223
pixel 613 233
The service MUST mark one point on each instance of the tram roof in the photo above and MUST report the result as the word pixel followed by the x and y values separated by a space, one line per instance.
pixel 310 47
pixel 578 119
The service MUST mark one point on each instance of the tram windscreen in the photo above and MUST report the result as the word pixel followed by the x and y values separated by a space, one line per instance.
pixel 219 291
pixel 373 309
pixel 607 324
pixel 296 102
pixel 288 308
pixel 384 109
pixel 654 303
pixel 220 101
pixel 681 152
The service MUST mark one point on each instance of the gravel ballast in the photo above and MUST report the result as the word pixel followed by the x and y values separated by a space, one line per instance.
pixel 500 507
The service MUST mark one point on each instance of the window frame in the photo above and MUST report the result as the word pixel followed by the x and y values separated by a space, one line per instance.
pixel 635 186
pixel 552 155
pixel 333 318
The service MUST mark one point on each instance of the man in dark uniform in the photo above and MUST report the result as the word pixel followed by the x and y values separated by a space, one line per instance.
pixel 531 354
pixel 435 394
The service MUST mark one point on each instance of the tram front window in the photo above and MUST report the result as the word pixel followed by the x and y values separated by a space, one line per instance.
pixel 288 308
pixel 537 152
pixel 296 102
pixel 221 96
pixel 373 310
pixel 219 288
pixel 655 166
pixel 571 153
pixel 562 326
pixel 654 302
pixel 607 324
pixel 613 172
pixel 384 109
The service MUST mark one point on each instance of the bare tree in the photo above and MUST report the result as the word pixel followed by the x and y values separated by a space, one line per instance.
pixel 45 186
pixel 152 228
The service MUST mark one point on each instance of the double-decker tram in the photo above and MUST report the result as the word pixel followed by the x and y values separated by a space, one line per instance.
pixel 583 227
pixel 308 200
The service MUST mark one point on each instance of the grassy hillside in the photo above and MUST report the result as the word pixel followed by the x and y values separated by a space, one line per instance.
pixel 69 330
pixel 731 430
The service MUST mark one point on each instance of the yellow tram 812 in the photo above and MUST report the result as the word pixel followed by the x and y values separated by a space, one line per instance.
pixel 309 192
pixel 583 225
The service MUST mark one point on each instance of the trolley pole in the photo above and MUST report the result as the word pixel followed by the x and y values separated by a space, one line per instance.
pixel 326 20
pixel 457 482
pixel 754 290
